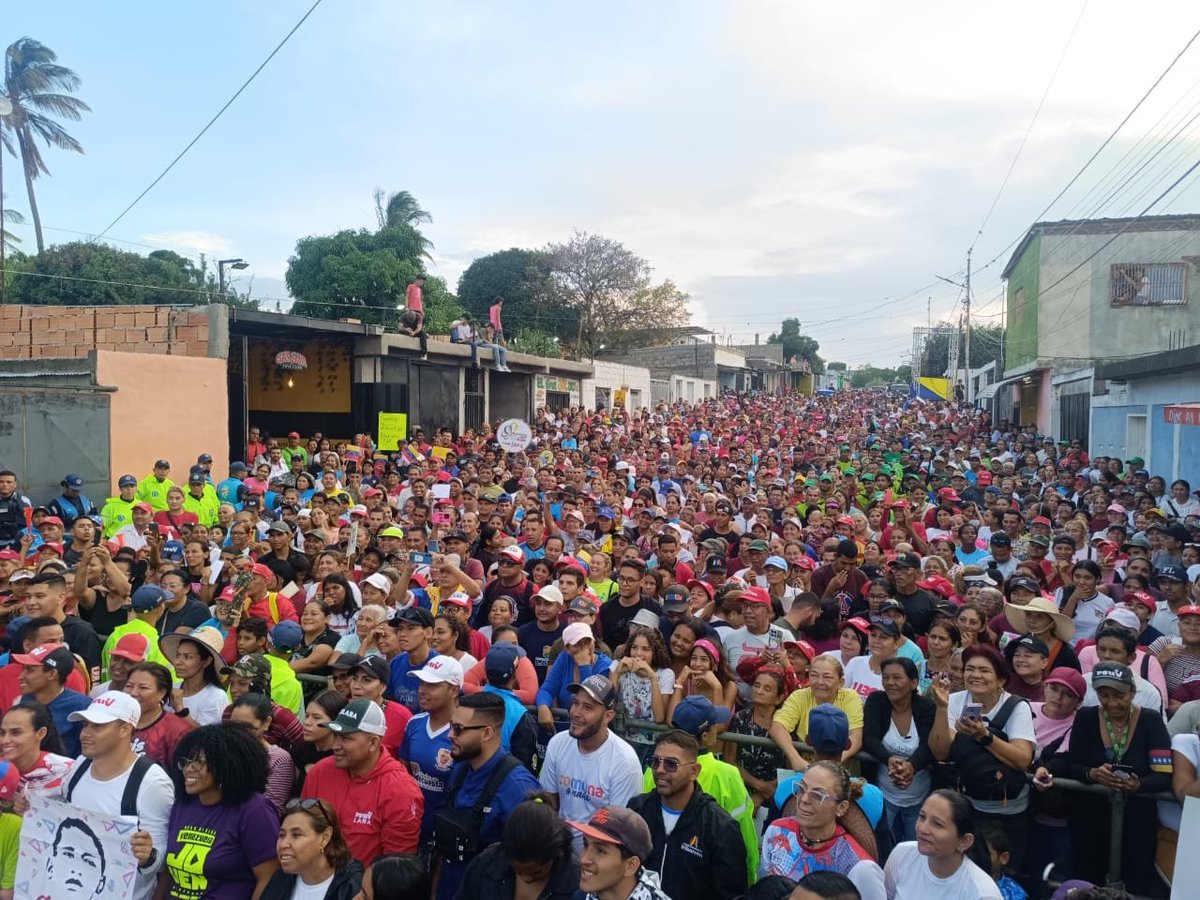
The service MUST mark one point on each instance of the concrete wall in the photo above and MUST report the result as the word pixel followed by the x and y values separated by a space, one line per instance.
pixel 695 360
pixel 1172 451
pixel 172 407
pixel 41 332
pixel 1076 318
pixel 609 378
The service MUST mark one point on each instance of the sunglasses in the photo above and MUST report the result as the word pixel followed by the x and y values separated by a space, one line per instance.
pixel 456 728
pixel 304 803
pixel 668 765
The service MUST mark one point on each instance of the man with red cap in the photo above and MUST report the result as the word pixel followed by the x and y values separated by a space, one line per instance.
pixel 756 641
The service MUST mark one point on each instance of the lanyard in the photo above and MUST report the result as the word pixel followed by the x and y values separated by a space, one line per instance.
pixel 1118 747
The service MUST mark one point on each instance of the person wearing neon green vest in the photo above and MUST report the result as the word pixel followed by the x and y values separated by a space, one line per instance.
pixel 149 603
pixel 697 716
pixel 253 640
pixel 118 511
pixel 153 488
pixel 201 499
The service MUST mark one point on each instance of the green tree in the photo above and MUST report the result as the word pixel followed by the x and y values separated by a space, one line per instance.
pixel 86 274
pixel 11 217
pixel 523 279
pixel 835 367
pixel 797 346
pixel 986 344
pixel 363 274
pixel 608 287
pixel 39 90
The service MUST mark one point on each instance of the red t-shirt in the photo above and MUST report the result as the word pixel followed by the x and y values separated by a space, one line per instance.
pixel 413 298
pixel 396 715
pixel 10 688
pixel 159 740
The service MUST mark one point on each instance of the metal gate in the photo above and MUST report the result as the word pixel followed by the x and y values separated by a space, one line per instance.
pixel 1075 417
pixel 473 399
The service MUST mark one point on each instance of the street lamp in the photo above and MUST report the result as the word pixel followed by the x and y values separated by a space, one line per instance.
pixel 237 263
pixel 6 109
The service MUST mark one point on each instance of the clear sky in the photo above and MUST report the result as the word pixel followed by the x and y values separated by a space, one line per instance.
pixel 775 159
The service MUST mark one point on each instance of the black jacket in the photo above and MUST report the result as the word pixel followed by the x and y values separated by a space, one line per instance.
pixel 877 719
pixel 704 856
pixel 490 876
pixel 347 881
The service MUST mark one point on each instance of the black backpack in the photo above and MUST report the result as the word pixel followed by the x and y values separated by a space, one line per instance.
pixel 981 776
pixel 456 830
pixel 129 796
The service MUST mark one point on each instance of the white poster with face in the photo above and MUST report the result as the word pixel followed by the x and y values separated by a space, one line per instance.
pixel 68 853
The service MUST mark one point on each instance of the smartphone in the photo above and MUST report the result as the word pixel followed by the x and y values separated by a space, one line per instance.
pixel 1123 772
pixel 154 528
pixel 973 711
pixel 440 518
pixel 420 559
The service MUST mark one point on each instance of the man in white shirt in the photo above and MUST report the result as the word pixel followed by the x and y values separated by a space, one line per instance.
pixel 755 637
pixel 587 767
pixel 101 779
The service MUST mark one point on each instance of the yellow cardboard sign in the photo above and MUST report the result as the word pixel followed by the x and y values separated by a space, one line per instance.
pixel 393 428
pixel 439 452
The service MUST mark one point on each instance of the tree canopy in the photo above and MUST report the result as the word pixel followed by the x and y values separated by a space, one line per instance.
pixel 797 346
pixel 986 344
pixel 85 274
pixel 522 278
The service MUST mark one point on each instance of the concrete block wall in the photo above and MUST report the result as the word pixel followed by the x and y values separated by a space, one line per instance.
pixel 41 332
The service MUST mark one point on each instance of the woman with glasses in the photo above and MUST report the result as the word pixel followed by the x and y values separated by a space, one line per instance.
pixel 814 840
pixel 314 861
pixel 221 830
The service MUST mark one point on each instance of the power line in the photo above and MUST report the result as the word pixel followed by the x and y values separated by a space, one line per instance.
pixel 1029 130
pixel 211 122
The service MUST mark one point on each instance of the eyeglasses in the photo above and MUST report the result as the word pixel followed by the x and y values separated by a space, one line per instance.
pixel 815 796
pixel 668 765
pixel 456 728
pixel 196 763
pixel 628 579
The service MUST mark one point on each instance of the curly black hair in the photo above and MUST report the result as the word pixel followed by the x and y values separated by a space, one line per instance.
pixel 235 757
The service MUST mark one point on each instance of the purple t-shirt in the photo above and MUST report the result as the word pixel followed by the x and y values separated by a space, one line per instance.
pixel 212 849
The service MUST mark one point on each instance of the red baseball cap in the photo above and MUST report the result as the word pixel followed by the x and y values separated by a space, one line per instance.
pixel 133 646
pixel 262 571
pixel 756 594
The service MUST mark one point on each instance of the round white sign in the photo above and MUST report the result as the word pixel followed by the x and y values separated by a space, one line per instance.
pixel 514 435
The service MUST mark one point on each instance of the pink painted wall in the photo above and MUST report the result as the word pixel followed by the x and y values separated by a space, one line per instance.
pixel 168 407
pixel 1043 401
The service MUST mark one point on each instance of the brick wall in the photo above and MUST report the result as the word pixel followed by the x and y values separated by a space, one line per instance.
pixel 38 332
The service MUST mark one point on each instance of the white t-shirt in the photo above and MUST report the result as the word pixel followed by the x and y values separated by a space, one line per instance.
pixel 1188 746
pixel 206 706
pixel 860 678
pixel 739 642
pixel 907 877
pixel 1019 727
pixel 156 796
pixel 303 891
pixel 587 782
pixel 904 746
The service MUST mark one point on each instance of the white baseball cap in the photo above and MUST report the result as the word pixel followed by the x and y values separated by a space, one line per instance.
pixel 576 632
pixel 111 706
pixel 441 669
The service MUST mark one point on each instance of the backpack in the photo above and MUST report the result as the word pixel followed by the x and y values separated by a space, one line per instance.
pixel 981 776
pixel 456 830
pixel 129 796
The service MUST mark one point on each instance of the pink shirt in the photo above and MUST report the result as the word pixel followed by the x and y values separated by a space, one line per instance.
pixel 414 299
pixel 494 316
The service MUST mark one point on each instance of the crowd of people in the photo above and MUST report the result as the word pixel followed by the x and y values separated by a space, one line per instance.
pixel 760 646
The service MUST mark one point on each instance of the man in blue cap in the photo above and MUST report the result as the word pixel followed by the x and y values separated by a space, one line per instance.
pixel 149 604
pixel 72 503
pixel 230 490
pixel 520 731
pixel 698 717
pixel 118 510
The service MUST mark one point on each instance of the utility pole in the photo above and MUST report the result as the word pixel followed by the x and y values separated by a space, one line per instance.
pixel 967 348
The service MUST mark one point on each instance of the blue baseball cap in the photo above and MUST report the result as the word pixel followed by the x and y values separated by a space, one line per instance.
pixel 605 512
pixel 287 635
pixel 172 550
pixel 74 482
pixel 238 467
pixel 15 624
pixel 696 715
pixel 828 729
pixel 501 660
pixel 126 481
pixel 149 597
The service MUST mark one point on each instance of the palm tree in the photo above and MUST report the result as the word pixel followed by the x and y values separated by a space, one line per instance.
pixel 403 209
pixel 40 92
pixel 11 217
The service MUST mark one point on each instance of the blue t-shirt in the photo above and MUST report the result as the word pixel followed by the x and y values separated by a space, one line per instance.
pixel 401 687
pixel 536 644
pixel 61 707
pixel 427 755
pixel 230 491
pixel 517 785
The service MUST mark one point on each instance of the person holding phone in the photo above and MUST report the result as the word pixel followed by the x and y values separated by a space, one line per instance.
pixel 1123 747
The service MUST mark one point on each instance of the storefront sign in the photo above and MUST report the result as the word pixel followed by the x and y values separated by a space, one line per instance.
pixel 1188 414
pixel 291 361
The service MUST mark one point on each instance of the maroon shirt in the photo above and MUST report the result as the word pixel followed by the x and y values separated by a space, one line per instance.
pixel 285 730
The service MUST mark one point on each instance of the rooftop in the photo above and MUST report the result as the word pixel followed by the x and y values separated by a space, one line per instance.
pixel 1181 222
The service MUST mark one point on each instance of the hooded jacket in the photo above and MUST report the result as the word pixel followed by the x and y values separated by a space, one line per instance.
pixel 380 812
pixel 703 856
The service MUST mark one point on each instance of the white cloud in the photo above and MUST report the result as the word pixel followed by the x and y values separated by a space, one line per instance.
pixel 188 241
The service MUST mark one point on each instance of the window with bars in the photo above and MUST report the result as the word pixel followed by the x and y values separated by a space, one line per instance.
pixel 1148 284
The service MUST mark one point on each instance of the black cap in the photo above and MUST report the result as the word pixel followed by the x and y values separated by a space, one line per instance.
pixel 1029 642
pixel 887 626
pixel 908 561
pixel 1000 539
pixel 1025 583
pixel 412 615
pixel 676 599
pixel 599 688
pixel 1114 675
pixel 890 603
pixel 1173 573
pixel 346 661
pixel 456 535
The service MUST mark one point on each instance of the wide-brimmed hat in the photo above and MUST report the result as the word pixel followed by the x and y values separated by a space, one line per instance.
pixel 205 636
pixel 1064 625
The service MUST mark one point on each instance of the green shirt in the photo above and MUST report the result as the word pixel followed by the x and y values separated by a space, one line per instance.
pixel 134 626
pixel 117 513
pixel 151 490
pixel 286 689
pixel 724 782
